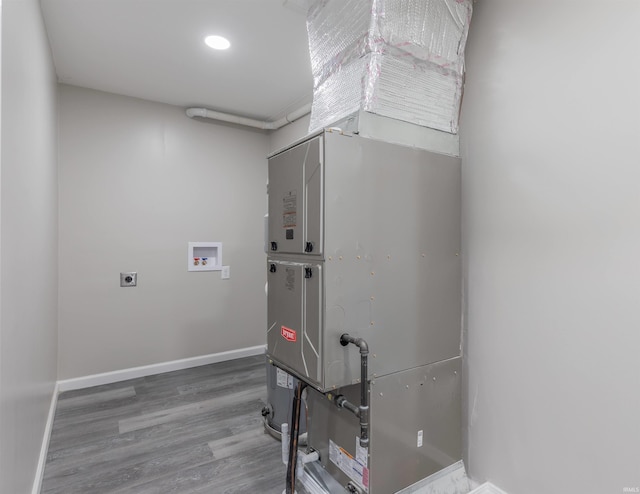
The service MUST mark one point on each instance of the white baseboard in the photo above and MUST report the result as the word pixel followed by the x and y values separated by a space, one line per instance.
pixel 44 448
pixel 148 370
pixel 487 488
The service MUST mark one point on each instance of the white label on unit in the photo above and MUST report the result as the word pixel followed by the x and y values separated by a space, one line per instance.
pixel 420 434
pixel 283 379
pixel 349 465
pixel 361 453
pixel 289 209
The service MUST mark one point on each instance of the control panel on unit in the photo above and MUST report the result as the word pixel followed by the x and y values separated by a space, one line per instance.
pixel 295 200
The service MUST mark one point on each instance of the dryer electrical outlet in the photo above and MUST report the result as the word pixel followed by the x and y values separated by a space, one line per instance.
pixel 129 279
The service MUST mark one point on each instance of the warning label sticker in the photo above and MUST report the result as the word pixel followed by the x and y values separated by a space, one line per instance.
pixel 289 209
pixel 354 468
pixel 283 379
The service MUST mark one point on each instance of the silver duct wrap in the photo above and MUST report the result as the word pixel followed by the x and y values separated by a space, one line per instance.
pixel 402 59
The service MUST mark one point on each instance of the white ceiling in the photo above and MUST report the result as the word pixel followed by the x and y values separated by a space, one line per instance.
pixel 154 49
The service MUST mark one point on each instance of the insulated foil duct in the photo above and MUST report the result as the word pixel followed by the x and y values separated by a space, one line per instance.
pixel 402 59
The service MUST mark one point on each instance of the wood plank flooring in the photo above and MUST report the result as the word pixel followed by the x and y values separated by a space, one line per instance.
pixel 192 431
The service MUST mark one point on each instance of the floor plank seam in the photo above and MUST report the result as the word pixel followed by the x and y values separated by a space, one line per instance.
pixel 182 432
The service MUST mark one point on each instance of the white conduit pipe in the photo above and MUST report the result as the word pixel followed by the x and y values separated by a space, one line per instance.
pixel 285 442
pixel 249 122
pixel 310 484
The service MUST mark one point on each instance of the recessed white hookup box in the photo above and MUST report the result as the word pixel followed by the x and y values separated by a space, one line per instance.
pixel 204 256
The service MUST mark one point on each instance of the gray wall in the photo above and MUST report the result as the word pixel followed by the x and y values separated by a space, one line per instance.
pixel 28 250
pixel 551 174
pixel 138 180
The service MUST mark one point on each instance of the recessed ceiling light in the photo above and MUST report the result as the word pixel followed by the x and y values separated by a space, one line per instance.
pixel 217 42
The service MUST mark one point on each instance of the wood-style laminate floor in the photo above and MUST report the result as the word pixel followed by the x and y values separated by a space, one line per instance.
pixel 192 431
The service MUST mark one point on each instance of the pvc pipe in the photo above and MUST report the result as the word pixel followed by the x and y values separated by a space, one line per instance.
pixel 303 459
pixel 290 117
pixel 249 122
pixel 285 442
pixel 342 402
pixel 308 457
pixel 276 434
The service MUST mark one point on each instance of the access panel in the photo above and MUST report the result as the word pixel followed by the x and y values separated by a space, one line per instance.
pixel 296 200
pixel 295 317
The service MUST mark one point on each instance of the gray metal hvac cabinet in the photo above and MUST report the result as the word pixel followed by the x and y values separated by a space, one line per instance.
pixel 365 240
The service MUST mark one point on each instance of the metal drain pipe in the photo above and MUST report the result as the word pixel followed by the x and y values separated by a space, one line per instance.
pixel 362 412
